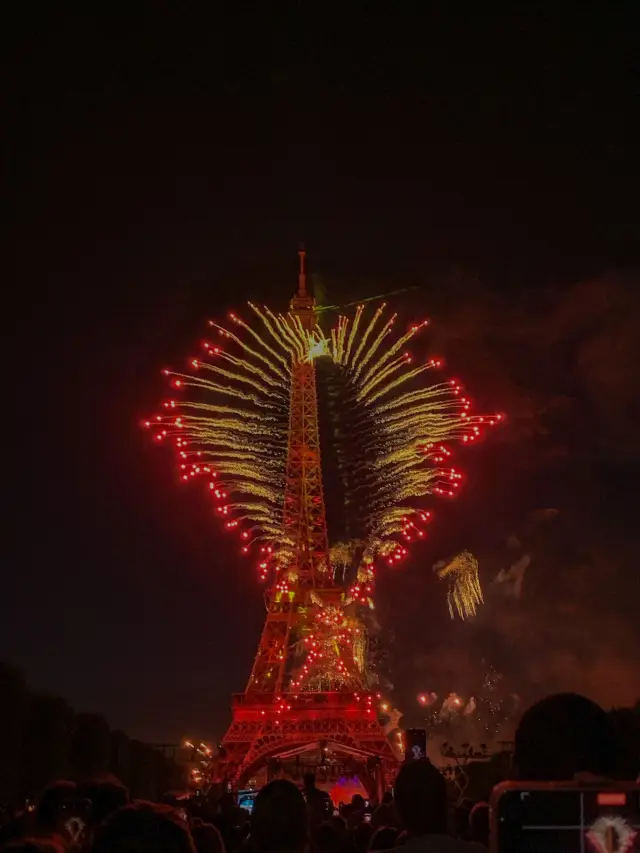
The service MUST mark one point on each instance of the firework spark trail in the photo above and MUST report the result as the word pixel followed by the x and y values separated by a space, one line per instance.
pixel 230 425
pixel 370 353
pixel 464 592
pixel 365 337
pixel 352 334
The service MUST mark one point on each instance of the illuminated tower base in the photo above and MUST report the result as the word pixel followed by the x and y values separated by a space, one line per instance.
pixel 330 731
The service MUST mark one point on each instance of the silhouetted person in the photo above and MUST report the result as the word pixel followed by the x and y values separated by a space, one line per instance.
pixel 564 735
pixel 460 819
pixel 318 802
pixel 231 821
pixel 231 812
pixel 143 828
pixel 206 837
pixel 279 821
pixel 360 837
pixel 358 803
pixel 106 795
pixel 328 839
pixel 54 807
pixel 479 824
pixel 340 825
pixel 383 839
pixel 355 811
pixel 421 800
pixel 385 815
pixel 15 827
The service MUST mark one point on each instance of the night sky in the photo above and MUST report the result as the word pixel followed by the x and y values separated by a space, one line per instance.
pixel 161 168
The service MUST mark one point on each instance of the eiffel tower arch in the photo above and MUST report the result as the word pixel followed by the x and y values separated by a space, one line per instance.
pixel 275 720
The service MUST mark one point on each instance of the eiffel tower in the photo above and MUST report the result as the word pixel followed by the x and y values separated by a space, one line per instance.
pixel 330 721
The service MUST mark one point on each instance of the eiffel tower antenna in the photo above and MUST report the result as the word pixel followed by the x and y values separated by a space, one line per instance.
pixel 302 278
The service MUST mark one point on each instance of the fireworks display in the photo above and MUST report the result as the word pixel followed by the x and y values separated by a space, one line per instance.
pixel 478 717
pixel 228 418
pixel 465 592
pixel 332 651
pixel 202 759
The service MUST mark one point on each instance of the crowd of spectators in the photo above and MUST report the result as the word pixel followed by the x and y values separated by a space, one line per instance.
pixel 563 737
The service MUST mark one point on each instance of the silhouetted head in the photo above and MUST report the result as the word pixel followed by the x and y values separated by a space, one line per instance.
pixel 479 824
pixel 383 839
pixel 106 794
pixel 227 802
pixel 460 820
pixel 385 815
pixel 340 825
pixel 421 798
pixel 206 838
pixel 361 836
pixel 563 735
pixel 328 839
pixel 309 780
pixel 143 828
pixel 279 818
pixel 55 805
pixel 357 801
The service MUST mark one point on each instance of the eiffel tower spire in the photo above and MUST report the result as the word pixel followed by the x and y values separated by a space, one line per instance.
pixel 302 278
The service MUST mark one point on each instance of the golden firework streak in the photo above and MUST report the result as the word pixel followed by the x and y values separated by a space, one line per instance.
pixel 231 423
pixel 464 592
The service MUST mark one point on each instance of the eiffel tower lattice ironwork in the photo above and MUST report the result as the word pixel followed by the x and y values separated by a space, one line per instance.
pixel 272 719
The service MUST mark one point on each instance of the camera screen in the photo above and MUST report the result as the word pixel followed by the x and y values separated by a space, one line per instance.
pixel 415 744
pixel 246 800
pixel 571 821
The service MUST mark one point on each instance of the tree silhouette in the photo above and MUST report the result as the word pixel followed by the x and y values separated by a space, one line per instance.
pixel 42 739
pixel 47 739
pixel 14 702
pixel 90 751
